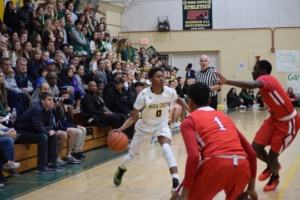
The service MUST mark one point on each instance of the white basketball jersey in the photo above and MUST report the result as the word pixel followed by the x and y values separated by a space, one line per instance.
pixel 154 108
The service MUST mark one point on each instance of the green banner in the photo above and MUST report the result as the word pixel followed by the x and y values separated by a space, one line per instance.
pixel 197 14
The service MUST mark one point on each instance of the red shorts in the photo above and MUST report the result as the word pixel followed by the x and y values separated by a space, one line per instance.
pixel 278 134
pixel 217 174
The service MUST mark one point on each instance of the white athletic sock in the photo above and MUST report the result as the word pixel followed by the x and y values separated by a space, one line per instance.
pixel 127 159
pixel 175 175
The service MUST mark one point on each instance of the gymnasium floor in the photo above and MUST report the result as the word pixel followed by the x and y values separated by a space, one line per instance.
pixel 147 178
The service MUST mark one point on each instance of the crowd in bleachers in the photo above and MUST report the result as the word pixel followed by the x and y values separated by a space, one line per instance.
pixel 49 48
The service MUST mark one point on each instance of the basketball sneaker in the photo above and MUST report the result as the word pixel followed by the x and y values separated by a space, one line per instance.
pixel 119 174
pixel 175 184
pixel 272 184
pixel 266 174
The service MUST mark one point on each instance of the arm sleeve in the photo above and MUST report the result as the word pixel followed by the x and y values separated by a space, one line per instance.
pixel 191 144
pixel 251 154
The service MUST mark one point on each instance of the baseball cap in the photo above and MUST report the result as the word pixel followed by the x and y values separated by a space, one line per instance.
pixel 50 61
pixel 83 53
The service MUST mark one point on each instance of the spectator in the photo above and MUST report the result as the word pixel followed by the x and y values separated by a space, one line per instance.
pixel 127 51
pixel 3 46
pixel 248 100
pixel 180 88
pixel 100 75
pixel 35 24
pixel 27 50
pixel 77 38
pixel 7 136
pixel 95 42
pixel 63 28
pixel 17 83
pixel 6 166
pixel 58 34
pixel 35 98
pixel 23 13
pixel 15 53
pixel 80 131
pixel 52 81
pixel 94 105
pixel 60 11
pixel 86 47
pixel 189 72
pixel 48 32
pixel 292 96
pixel 10 17
pixel 4 108
pixel 50 48
pixel 34 66
pixel 118 100
pixel 206 75
pixel 59 62
pixel 233 100
pixel 35 126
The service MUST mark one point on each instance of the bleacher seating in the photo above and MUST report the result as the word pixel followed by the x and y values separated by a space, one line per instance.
pixel 27 154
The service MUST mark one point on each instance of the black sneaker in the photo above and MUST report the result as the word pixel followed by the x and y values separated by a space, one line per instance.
pixel 79 156
pixel 4 180
pixel 118 175
pixel 56 167
pixel 175 184
pixel 44 170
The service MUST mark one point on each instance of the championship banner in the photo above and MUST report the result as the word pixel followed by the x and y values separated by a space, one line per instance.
pixel 197 14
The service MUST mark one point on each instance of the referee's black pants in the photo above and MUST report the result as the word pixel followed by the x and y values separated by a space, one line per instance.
pixel 214 102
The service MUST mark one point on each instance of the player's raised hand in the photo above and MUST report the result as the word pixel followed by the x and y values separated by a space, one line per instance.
pixel 222 79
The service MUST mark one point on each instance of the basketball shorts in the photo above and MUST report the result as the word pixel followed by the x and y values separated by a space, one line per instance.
pixel 278 134
pixel 144 133
pixel 217 174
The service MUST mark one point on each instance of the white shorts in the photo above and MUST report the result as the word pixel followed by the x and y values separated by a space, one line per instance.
pixel 144 132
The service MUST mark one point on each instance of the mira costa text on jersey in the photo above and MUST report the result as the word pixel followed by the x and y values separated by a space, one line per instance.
pixel 159 105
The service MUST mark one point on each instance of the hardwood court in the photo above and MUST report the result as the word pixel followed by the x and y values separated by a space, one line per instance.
pixel 148 177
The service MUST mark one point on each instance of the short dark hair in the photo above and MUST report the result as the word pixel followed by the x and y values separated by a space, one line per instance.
pixel 153 70
pixel 62 93
pixel 44 95
pixel 199 93
pixel 264 64
pixel 189 65
pixel 77 22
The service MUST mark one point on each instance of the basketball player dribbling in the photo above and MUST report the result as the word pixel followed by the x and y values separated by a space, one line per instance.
pixel 153 105
pixel 279 129
pixel 218 156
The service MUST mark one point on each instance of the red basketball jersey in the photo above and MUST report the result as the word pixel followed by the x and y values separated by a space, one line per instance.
pixel 216 133
pixel 275 98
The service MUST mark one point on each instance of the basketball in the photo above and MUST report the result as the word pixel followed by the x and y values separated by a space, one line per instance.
pixel 117 141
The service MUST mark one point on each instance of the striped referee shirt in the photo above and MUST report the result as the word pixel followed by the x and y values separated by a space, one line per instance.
pixel 209 78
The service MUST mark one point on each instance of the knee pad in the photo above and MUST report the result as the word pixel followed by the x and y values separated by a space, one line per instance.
pixel 168 155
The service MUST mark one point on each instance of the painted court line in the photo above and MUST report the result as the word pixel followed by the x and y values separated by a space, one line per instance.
pixel 288 180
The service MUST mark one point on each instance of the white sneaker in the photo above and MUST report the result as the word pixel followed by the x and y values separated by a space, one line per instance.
pixel 11 165
pixel 77 110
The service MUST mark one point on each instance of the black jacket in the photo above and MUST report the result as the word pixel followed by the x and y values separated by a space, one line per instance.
pixel 117 102
pixel 91 104
pixel 35 120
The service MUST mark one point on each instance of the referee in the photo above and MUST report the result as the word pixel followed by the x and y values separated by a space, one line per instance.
pixel 206 75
